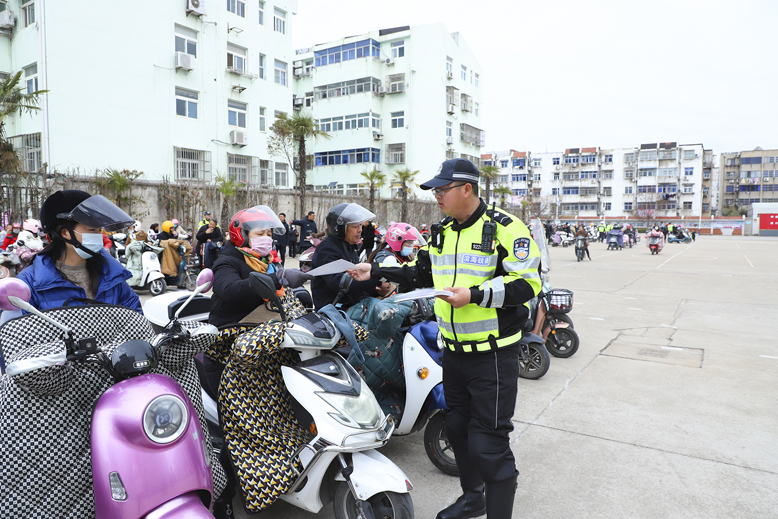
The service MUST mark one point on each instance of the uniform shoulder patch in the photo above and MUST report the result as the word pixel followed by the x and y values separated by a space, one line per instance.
pixel 521 248
pixel 499 217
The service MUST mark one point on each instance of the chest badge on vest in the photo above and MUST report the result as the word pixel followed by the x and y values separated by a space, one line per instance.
pixel 521 248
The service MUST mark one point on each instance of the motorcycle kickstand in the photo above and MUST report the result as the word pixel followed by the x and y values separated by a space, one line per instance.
pixel 364 508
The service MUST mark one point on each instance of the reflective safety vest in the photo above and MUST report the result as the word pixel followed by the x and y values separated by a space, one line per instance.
pixel 608 227
pixel 502 276
pixel 601 227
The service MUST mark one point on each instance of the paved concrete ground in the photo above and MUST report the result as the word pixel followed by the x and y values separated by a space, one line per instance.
pixel 668 409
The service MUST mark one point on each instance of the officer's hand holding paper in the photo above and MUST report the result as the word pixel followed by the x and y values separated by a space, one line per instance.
pixel 336 267
pixel 360 272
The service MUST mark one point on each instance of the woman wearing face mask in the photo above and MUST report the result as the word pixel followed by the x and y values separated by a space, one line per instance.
pixel 13 234
pixel 74 263
pixel 399 245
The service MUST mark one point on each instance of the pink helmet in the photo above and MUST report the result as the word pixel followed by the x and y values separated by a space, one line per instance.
pixel 32 225
pixel 175 222
pixel 400 232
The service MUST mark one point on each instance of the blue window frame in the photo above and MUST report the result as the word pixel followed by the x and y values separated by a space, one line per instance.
pixel 347 52
pixel 688 171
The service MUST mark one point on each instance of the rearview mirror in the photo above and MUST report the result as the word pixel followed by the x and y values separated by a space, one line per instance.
pixel 205 279
pixel 12 287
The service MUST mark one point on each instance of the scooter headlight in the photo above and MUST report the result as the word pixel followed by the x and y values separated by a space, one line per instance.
pixel 165 419
pixel 360 412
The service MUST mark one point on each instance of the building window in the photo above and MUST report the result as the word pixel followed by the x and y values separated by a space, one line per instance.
pixel 628 206
pixel 555 161
pixel 571 159
pixel 349 51
pixel 471 76
pixel 449 129
pixel 688 154
pixel 398 119
pixel 237 7
pixel 262 60
pixel 186 103
pixel 450 65
pixel 503 163
pixel 688 171
pixel 667 155
pixel 31 78
pixel 608 159
pixel 706 175
pixel 629 173
pixel 280 73
pixel 28 13
pixel 477 77
pixel 556 176
pixel 186 40
pixel 687 205
pixel 464 73
pixel 688 188
pixel 648 155
pixel 308 99
pixel 466 103
pixel 555 191
pixel 647 172
pixel 261 13
pixel 262 119
pixel 536 162
pixel 240 168
pixel 536 177
pixel 282 174
pixel 345 88
pixel 588 159
pixel 236 58
pixel 396 83
pixel 629 157
pixel 279 20
pixel 588 174
pixel 356 156
pixel 606 206
pixel 607 174
pixel 607 191
pixel 395 154
pixel 570 191
pixel 667 172
pixel 628 190
pixel 398 49
pixel 477 109
pixel 192 164
pixel 236 113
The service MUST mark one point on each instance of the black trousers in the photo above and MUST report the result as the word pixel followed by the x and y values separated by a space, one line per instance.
pixel 480 390
pixel 281 252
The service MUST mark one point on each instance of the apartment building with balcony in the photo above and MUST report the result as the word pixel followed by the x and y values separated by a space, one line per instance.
pixel 181 89
pixel 391 99
pixel 650 180
pixel 747 178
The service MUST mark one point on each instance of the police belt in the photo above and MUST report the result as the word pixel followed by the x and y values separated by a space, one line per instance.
pixel 458 347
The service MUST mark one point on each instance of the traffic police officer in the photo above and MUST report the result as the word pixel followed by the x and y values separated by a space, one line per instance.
pixel 490 263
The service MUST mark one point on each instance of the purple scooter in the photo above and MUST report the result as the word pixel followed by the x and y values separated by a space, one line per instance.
pixel 148 450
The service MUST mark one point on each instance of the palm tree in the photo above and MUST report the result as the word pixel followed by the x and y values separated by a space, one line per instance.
pixel 375 179
pixel 502 192
pixel 227 188
pixel 489 173
pixel 405 177
pixel 288 135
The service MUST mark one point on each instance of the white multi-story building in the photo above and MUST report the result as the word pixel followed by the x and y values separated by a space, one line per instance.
pixel 652 180
pixel 184 89
pixel 402 98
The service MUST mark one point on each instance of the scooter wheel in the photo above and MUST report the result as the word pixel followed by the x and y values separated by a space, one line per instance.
pixel 384 504
pixel 563 343
pixel 158 287
pixel 539 362
pixel 437 445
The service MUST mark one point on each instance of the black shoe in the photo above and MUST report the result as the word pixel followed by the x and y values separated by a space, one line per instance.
pixel 499 499
pixel 469 504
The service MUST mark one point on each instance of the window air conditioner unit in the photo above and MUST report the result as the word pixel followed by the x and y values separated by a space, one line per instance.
pixel 449 75
pixel 297 71
pixel 381 90
pixel 7 19
pixel 196 7
pixel 389 61
pixel 449 140
pixel 298 102
pixel 377 167
pixel 451 108
pixel 238 138
pixel 377 136
pixel 184 61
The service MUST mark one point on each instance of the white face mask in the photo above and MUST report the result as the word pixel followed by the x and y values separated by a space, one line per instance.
pixel 407 251
pixel 91 241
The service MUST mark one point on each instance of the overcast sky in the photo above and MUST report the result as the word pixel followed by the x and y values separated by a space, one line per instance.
pixel 610 73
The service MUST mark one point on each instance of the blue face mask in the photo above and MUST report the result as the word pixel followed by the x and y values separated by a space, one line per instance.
pixel 91 241
pixel 406 251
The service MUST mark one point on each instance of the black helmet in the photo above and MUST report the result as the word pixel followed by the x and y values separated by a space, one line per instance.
pixel 133 358
pixel 346 214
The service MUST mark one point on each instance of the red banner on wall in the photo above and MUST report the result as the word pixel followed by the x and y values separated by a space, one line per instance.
pixel 768 222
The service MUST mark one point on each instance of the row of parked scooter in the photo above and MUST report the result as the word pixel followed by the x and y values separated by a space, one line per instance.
pixel 118 398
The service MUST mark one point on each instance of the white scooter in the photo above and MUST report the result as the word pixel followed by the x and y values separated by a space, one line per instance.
pixel 152 278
